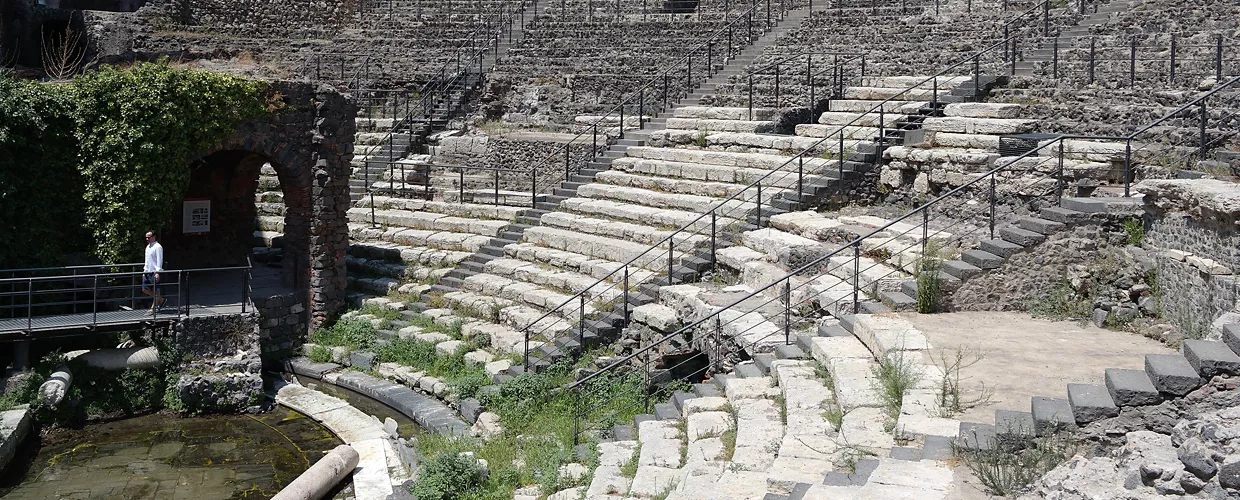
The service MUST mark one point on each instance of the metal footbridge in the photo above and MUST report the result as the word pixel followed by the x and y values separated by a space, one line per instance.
pixel 48 302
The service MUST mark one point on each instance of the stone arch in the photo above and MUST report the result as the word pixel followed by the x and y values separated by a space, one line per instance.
pixel 310 145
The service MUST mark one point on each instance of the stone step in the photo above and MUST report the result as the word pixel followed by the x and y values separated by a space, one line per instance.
pixel 727 174
pixel 428 221
pixel 600 247
pixel 982 259
pixel 1171 374
pixel 443 240
pixel 1211 358
pixel 1000 248
pixel 635 233
pixel 1050 415
pixel 1041 226
pixel 1091 402
pixel 1131 387
pixel 961 269
pixel 721 158
pixel 1019 236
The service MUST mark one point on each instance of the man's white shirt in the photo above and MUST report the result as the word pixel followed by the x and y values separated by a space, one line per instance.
pixel 154 258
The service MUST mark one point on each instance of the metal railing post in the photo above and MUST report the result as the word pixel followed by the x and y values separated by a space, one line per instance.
pixel 1218 59
pixel 533 187
pixel 626 294
pixel 1127 166
pixel 800 177
pixel 1059 181
pixel 776 85
pixel 713 230
pixel 1132 61
pixel 1093 46
pixel 671 249
pixel 856 285
pixel 1202 130
pixel 497 186
pixel 461 186
pixel 1171 69
pixel 1055 59
pixel 787 312
pixel 759 186
pixel 992 206
pixel 750 96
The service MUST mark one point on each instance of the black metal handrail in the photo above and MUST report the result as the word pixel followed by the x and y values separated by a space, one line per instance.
pixel 1109 57
pixel 71 283
pixel 1038 155
pixel 684 232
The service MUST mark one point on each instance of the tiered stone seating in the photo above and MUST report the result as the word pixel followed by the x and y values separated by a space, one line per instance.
pixel 416 240
pixel 763 429
pixel 591 59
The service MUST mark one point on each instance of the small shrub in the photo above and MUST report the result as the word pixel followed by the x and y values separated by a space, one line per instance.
pixel 629 469
pixel 381 312
pixel 929 285
pixel 1135 229
pixel 447 476
pixel 352 333
pixel 1011 463
pixel 699 140
pixel 948 395
pixel 320 354
pixel 1060 302
pixel 835 414
pixel 895 376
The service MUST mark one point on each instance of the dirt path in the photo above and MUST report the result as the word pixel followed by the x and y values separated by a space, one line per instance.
pixel 1025 357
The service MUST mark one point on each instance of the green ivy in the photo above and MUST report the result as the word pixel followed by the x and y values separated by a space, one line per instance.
pixel 40 186
pixel 137 130
pixel 108 155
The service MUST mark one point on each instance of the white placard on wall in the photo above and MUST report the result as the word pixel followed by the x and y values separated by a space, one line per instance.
pixel 196 217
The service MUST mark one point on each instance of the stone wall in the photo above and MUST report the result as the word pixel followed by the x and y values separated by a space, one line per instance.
pixel 310 145
pixel 517 152
pixel 221 370
pixel 1091 251
pixel 283 325
pixel 284 18
pixel 1195 230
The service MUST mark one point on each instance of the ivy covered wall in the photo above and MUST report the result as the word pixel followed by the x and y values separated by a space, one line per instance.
pixel 92 164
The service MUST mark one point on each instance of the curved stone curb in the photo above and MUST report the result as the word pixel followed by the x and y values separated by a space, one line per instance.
pixel 427 411
pixel 381 473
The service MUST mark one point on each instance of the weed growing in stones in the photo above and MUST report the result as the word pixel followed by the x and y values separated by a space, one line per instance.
pixel 447 476
pixel 1060 302
pixel 895 376
pixel 949 397
pixel 699 140
pixel 380 312
pixel 1012 463
pixel 629 469
pixel 929 285
pixel 351 333
pixel 835 414
pixel 851 455
pixel 1135 229
pixel 320 354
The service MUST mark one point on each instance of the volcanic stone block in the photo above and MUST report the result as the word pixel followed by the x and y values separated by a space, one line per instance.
pixel 1131 387
pixel 1051 415
pixel 1090 402
pixel 1211 358
pixel 1171 373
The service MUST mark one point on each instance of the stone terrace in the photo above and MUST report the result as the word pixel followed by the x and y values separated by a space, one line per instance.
pixel 572 64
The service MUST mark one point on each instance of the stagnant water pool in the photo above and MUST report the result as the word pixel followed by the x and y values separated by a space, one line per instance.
pixel 169 457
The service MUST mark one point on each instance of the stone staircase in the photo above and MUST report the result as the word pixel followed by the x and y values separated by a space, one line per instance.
pixel 1166 376
pixel 886 274
pixel 392 141
pixel 1044 53
pixel 763 432
pixel 406 245
pixel 269 207
pixel 607 213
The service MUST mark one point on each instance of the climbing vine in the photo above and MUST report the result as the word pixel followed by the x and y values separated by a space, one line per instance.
pixel 137 129
pixel 40 187
pixel 106 157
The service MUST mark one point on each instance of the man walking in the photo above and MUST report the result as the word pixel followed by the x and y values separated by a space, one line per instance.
pixel 152 266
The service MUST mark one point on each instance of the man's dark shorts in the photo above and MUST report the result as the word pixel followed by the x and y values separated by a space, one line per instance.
pixel 149 283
